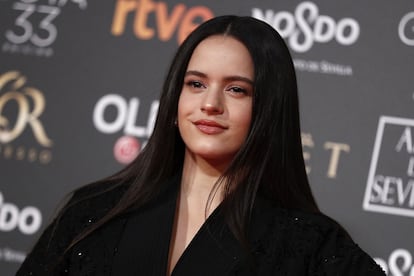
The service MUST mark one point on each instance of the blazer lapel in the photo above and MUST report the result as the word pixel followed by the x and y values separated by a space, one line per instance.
pixel 213 251
pixel 144 246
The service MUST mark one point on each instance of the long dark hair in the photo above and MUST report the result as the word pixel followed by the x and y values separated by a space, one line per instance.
pixel 269 163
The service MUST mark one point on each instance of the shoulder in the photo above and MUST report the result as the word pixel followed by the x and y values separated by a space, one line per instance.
pixel 86 205
pixel 296 223
pixel 316 226
pixel 83 207
pixel 304 231
pixel 314 240
pixel 99 195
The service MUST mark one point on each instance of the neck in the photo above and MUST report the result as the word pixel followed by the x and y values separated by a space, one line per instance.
pixel 198 181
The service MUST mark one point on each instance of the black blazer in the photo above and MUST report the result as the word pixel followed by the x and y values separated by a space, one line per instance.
pixel 281 242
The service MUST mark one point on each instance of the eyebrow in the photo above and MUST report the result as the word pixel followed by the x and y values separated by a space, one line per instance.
pixel 228 78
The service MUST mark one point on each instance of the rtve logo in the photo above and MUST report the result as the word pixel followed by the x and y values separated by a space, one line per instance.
pixel 306 26
pixel 13 82
pixel 181 19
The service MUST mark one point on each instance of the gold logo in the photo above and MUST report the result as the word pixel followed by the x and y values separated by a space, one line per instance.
pixel 334 149
pixel 26 117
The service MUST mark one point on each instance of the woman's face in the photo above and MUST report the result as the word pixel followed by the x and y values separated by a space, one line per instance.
pixel 215 105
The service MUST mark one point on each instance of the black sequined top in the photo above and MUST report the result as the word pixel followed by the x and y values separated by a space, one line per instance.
pixel 281 242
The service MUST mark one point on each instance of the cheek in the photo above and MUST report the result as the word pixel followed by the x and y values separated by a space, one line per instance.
pixel 243 117
pixel 185 103
pixel 184 113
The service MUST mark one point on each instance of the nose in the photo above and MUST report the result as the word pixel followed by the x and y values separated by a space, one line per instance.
pixel 212 102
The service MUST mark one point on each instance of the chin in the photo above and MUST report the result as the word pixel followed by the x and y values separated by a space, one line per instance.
pixel 212 152
pixel 215 156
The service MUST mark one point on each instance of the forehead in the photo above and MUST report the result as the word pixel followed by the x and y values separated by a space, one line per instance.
pixel 222 52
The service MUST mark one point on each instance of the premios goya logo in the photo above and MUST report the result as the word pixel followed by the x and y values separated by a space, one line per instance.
pixel 123 118
pixel 390 186
pixel 20 108
pixel 406 29
pixel 34 29
pixel 155 19
pixel 306 26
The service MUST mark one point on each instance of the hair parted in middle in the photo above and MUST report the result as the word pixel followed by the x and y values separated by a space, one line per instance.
pixel 270 161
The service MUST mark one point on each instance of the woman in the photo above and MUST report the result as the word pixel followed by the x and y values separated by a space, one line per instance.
pixel 220 188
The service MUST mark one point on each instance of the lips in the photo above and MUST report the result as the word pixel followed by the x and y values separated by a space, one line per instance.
pixel 209 127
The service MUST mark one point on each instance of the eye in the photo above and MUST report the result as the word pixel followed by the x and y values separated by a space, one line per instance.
pixel 195 84
pixel 237 90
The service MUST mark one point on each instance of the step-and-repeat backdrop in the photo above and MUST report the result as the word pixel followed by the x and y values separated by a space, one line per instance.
pixel 79 88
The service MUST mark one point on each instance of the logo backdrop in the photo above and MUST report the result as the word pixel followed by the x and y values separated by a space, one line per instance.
pixel 80 82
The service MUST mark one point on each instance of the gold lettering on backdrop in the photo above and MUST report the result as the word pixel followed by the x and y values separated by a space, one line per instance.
pixel 20 153
pixel 336 149
pixel 25 117
pixel 335 155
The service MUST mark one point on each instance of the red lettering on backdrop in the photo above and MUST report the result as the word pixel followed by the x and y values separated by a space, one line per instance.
pixel 179 18
pixel 167 26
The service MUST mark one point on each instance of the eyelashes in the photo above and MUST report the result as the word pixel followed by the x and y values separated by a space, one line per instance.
pixel 234 89
pixel 237 89
pixel 195 84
